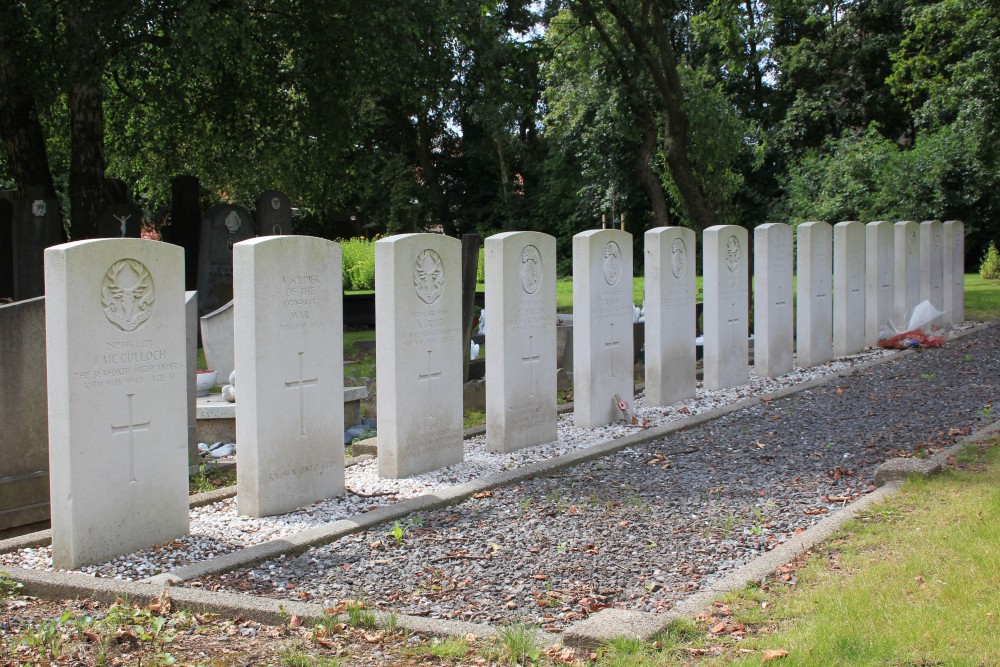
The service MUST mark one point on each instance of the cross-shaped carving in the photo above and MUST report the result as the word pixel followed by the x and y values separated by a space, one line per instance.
pixel 612 344
pixel 301 385
pixel 531 359
pixel 429 377
pixel 131 428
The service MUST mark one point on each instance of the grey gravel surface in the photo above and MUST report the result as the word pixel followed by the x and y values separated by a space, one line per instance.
pixel 647 526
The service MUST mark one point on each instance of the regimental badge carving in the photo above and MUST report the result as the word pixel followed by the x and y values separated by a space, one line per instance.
pixel 936 239
pixel 612 263
pixel 531 269
pixel 233 222
pixel 678 258
pixel 127 294
pixel 911 242
pixel 733 253
pixel 428 276
pixel 275 203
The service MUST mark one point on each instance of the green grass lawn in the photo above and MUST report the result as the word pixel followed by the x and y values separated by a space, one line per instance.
pixel 914 581
pixel 982 298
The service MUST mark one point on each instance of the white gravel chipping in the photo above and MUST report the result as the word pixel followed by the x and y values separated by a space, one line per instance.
pixel 217 529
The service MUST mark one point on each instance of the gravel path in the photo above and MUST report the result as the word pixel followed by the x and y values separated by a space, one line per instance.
pixel 651 524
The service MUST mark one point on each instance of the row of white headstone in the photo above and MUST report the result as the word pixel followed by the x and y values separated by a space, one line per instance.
pixel 118 371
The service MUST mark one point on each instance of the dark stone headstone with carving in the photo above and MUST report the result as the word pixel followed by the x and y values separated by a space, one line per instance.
pixel 273 214
pixel 224 225
pixel 6 248
pixel 36 227
pixel 120 221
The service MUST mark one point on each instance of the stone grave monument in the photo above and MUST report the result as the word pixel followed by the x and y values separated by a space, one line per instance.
pixel 848 288
pixel 217 340
pixel 273 214
pixel 289 337
pixel 932 265
pixel 879 290
pixel 772 305
pixel 521 364
pixel 814 311
pixel 37 226
pixel 906 271
pixel 670 315
pixel 953 243
pixel 418 345
pixel 726 292
pixel 224 226
pixel 602 326
pixel 6 248
pixel 24 467
pixel 117 394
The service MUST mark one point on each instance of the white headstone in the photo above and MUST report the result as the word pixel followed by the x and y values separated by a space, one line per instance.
pixel 932 265
pixel 602 326
pixel 191 330
pixel 217 340
pixel 289 349
pixel 814 316
pixel 848 288
pixel 670 315
pixel 521 364
pixel 118 409
pixel 953 232
pixel 418 344
pixel 906 271
pixel 772 305
pixel 726 294
pixel 879 290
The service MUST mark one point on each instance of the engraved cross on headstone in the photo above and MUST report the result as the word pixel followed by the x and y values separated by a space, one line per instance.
pixel 429 377
pixel 612 344
pixel 531 359
pixel 301 385
pixel 734 321
pixel 131 428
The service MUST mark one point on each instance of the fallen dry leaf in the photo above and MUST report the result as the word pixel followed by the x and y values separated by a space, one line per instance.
pixel 774 654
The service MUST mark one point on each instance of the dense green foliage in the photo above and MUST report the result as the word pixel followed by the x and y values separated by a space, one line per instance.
pixel 487 115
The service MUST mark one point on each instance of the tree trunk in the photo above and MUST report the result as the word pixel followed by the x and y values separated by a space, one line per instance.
pixel 85 59
pixel 20 129
pixel 426 160
pixel 644 170
pixel 86 179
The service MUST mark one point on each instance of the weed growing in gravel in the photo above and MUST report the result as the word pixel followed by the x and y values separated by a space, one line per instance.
pixel 928 376
pixel 359 616
pixel 295 656
pixel 449 648
pixel 49 636
pixel 986 411
pixel 8 587
pixel 517 644
pixel 624 652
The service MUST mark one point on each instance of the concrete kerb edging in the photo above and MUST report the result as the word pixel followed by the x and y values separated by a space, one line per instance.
pixel 60 585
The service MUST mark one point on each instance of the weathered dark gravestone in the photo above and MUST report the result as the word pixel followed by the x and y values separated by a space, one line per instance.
pixel 185 224
pixel 24 438
pixel 36 227
pixel 120 221
pixel 224 225
pixel 6 248
pixel 273 214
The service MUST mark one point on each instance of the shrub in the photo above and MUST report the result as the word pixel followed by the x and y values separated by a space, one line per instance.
pixel 359 263
pixel 989 269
